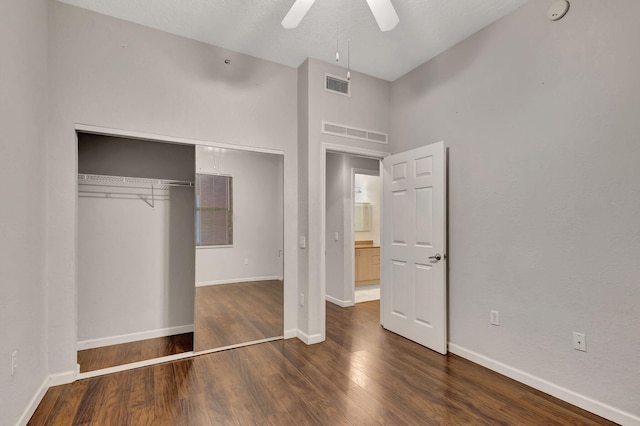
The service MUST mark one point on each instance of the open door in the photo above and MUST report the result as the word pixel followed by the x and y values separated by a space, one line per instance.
pixel 414 294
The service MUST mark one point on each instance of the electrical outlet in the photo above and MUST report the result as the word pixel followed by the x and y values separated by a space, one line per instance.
pixel 494 317
pixel 336 236
pixel 246 261
pixel 301 299
pixel 14 362
pixel 579 341
pixel 302 242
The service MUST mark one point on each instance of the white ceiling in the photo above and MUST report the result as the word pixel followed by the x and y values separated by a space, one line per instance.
pixel 426 28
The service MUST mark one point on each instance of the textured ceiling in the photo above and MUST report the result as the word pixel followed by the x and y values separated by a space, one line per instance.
pixel 426 28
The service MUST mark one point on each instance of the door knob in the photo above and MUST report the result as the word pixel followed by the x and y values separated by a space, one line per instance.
pixel 436 257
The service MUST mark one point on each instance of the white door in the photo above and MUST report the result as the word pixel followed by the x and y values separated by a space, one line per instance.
pixel 414 294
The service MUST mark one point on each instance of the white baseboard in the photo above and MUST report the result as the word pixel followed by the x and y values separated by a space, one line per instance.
pixel 133 337
pixel 62 378
pixel 290 334
pixel 237 280
pixel 342 303
pixel 33 404
pixel 309 339
pixel 584 402
pixel 49 381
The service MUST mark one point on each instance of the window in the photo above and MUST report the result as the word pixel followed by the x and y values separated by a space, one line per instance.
pixel 214 210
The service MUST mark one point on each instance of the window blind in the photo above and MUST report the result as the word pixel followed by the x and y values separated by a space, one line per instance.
pixel 214 210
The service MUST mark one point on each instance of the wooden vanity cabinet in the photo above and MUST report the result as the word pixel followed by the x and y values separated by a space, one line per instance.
pixel 367 263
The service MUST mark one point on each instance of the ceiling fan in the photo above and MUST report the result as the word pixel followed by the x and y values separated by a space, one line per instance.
pixel 382 10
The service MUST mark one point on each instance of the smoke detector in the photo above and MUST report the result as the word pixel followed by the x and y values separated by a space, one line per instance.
pixel 557 10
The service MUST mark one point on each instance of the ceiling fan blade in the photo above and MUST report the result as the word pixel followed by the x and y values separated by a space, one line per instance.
pixel 296 13
pixel 385 14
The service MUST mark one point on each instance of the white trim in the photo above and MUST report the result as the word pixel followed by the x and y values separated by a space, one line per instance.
pixel 133 337
pixel 341 303
pixel 169 358
pixel 290 334
pixel 86 128
pixel 237 280
pixel 33 404
pixel 347 127
pixel 238 345
pixel 567 395
pixel 133 365
pixel 309 339
pixel 62 378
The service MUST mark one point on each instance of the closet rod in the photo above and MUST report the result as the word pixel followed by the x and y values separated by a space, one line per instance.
pixel 129 182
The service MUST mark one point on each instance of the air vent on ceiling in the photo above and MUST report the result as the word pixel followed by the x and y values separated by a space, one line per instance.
pixel 353 133
pixel 337 85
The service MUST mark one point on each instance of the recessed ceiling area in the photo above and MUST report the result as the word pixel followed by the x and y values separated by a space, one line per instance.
pixel 426 28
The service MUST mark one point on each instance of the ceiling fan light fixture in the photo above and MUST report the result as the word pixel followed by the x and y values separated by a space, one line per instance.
pixel 299 9
pixel 384 14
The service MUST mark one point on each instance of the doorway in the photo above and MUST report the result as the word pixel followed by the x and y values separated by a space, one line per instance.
pixel 365 214
pixel 342 167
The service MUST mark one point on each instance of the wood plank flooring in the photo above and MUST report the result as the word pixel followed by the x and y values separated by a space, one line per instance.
pixel 229 314
pixel 361 375
pixel 125 353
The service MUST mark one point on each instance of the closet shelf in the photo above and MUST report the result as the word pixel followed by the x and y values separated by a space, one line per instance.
pixel 102 187
pixel 130 182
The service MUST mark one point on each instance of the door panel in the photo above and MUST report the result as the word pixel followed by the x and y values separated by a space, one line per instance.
pixel 414 297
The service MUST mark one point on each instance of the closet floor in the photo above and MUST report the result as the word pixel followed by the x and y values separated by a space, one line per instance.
pixel 126 353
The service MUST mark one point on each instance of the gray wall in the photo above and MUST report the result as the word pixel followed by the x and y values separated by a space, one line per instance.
pixel 23 120
pixel 368 107
pixel 541 122
pixel 135 262
pixel 114 74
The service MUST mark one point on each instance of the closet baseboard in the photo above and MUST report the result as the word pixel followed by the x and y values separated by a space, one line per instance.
pixel 341 303
pixel 133 337
pixel 237 280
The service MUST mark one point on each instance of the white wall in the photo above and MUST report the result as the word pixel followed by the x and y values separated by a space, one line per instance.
pixel 136 269
pixel 541 123
pixel 257 217
pixel 23 120
pixel 368 107
pixel 110 73
pixel 339 259
pixel 371 187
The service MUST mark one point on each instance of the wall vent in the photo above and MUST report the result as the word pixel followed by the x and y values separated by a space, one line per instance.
pixel 336 84
pixel 353 133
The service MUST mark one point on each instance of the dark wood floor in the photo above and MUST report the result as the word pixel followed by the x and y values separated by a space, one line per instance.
pixel 230 314
pixel 361 375
pixel 125 353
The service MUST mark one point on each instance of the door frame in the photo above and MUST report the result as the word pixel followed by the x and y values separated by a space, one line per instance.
pixel 351 247
pixel 339 149
pixel 289 267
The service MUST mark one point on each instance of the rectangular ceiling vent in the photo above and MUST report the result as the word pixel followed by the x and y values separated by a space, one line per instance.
pixel 353 133
pixel 336 84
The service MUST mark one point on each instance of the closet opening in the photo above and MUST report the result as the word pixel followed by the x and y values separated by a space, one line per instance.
pixel 136 252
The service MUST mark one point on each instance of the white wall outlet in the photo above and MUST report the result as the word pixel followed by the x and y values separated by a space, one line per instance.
pixel 302 242
pixel 14 362
pixel 301 299
pixel 246 261
pixel 494 317
pixel 579 341
pixel 336 236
